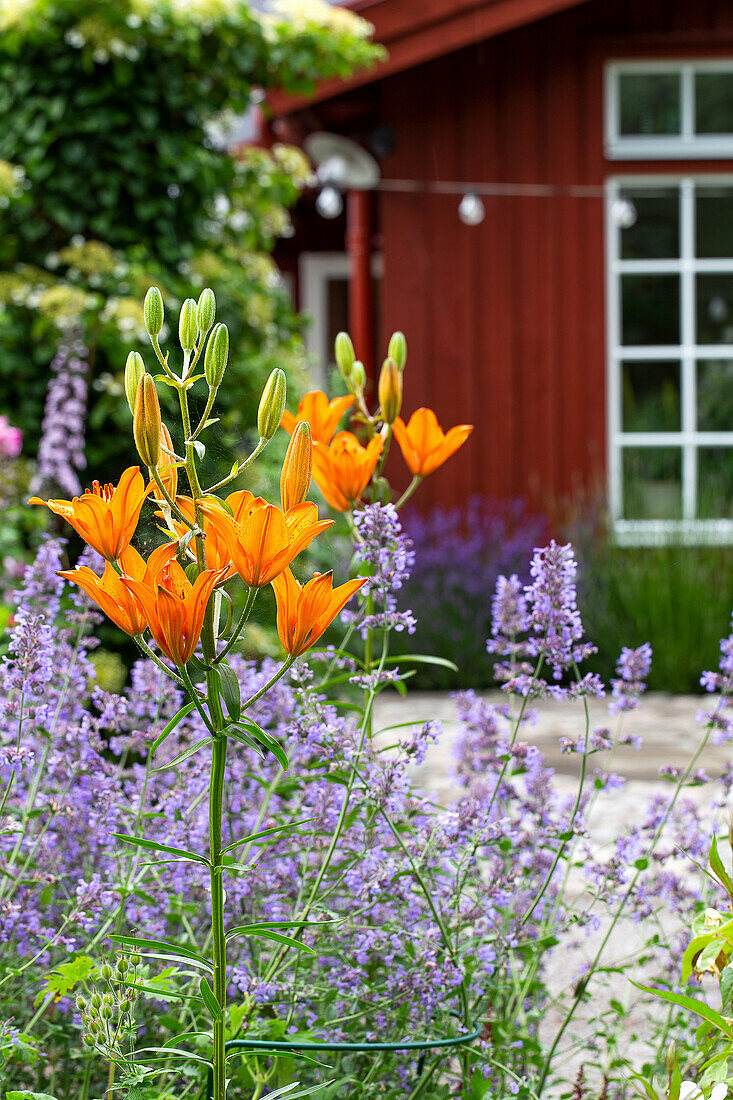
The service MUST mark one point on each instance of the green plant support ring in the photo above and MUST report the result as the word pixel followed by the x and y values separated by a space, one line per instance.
pixel 281 1045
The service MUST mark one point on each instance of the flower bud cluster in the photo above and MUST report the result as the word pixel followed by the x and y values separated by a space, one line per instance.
pixel 109 1016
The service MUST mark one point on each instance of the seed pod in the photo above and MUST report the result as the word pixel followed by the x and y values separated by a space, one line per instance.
pixel 272 404
pixel 153 312
pixel 122 964
pixel 134 370
pixel 345 355
pixel 358 376
pixel 146 422
pixel 105 1012
pixel 106 974
pixel 81 1004
pixel 136 958
pixel 168 472
pixel 397 349
pixel 187 327
pixel 205 310
pixel 87 1040
pixel 295 478
pixel 390 391
pixel 215 358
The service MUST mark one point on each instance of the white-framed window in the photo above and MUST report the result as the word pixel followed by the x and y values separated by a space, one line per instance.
pixel 324 297
pixel 669 109
pixel 670 357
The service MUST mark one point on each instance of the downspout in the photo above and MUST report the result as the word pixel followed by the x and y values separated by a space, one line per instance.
pixel 361 295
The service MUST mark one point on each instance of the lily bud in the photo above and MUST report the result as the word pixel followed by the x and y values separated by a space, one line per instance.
pixel 358 376
pixel 390 391
pixel 153 311
pixel 168 476
pixel 397 349
pixel 134 371
pixel 670 1058
pixel 217 353
pixel 187 327
pixel 295 478
pixel 345 355
pixel 272 404
pixel 205 310
pixel 146 422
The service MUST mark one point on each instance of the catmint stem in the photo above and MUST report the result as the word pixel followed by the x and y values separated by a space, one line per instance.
pixel 630 889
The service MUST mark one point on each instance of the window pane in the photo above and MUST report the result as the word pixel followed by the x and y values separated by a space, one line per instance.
pixel 715 395
pixel 714 221
pixel 655 232
pixel 650 309
pixel 649 103
pixel 715 309
pixel 651 397
pixel 714 103
pixel 715 482
pixel 652 482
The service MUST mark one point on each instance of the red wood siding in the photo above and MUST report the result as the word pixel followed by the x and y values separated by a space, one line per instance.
pixel 505 321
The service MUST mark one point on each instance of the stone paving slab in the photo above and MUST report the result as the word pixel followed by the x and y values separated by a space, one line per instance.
pixel 666 723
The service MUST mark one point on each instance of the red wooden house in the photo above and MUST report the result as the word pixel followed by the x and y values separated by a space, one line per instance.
pixel 586 324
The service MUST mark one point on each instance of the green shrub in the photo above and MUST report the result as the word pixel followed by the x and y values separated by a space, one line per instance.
pixel 114 179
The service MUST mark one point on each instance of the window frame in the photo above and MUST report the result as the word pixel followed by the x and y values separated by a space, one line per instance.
pixel 688 439
pixel 686 144
pixel 314 271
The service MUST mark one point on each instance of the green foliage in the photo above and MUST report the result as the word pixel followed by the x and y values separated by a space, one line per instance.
pixel 114 177
pixel 678 598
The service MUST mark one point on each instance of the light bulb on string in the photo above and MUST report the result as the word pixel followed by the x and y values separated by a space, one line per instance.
pixel 471 209
pixel 623 213
pixel 329 203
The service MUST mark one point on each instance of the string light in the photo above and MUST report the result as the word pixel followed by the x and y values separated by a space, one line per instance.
pixel 471 210
pixel 329 203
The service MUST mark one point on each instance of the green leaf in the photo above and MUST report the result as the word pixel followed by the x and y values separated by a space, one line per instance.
pixel 181 852
pixel 175 720
pixel 166 1051
pixel 184 755
pixel 270 743
pixel 230 691
pixel 244 739
pixel 265 933
pixel 169 949
pixel 286 1090
pixel 29 1096
pixel 420 659
pixel 66 976
pixel 210 1000
pixel 717 865
pixel 698 1007
pixel 267 832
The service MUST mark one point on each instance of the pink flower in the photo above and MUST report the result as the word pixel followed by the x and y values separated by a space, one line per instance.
pixel 11 439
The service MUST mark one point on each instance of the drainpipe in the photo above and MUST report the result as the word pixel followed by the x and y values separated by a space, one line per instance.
pixel 361 303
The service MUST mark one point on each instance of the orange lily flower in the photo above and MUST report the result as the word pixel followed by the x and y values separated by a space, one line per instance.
pixel 423 444
pixel 260 540
pixel 322 415
pixel 173 607
pixel 305 611
pixel 342 471
pixel 110 594
pixel 105 517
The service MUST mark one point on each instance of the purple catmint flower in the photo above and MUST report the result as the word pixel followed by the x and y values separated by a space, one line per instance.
pixel 61 450
pixel 553 612
pixel 632 670
pixel 388 557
